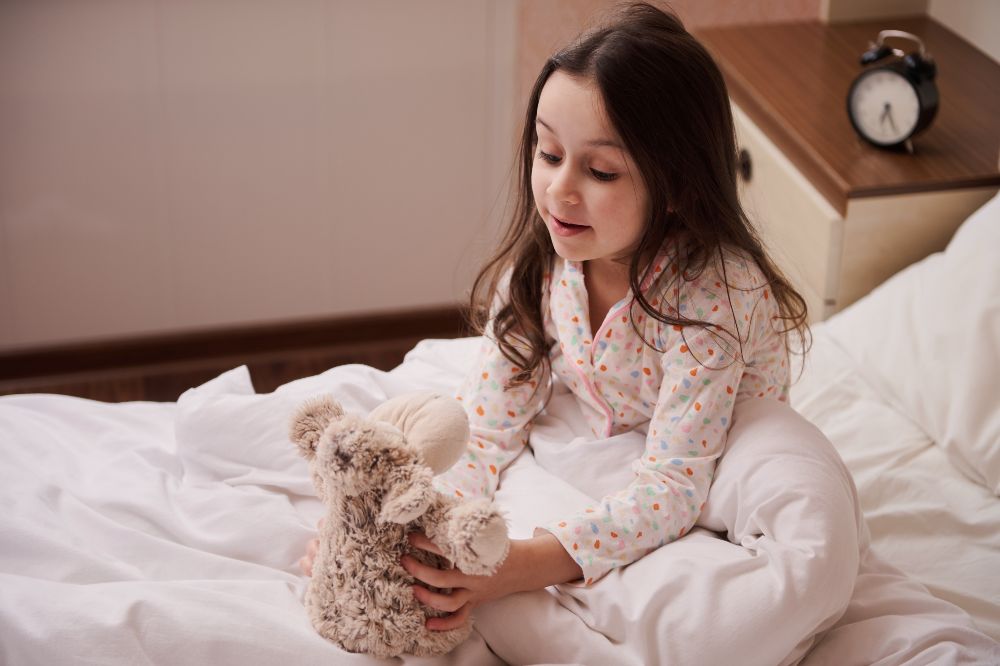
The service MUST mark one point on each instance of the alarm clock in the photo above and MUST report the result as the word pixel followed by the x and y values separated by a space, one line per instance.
pixel 890 104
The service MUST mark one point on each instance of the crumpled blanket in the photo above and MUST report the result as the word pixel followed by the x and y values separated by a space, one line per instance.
pixel 170 533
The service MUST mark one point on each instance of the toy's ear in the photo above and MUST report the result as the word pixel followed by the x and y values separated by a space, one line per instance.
pixel 433 424
pixel 311 420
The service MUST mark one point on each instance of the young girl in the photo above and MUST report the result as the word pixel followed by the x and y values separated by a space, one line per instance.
pixel 630 273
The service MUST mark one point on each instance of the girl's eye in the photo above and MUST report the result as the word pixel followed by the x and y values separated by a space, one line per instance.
pixel 555 159
pixel 551 159
pixel 602 175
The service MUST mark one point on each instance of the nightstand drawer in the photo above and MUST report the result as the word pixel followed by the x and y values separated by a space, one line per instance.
pixel 838 215
pixel 800 229
pixel 833 260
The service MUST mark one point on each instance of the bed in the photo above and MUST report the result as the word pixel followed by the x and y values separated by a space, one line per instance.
pixel 861 527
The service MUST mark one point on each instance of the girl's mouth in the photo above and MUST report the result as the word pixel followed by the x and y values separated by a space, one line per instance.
pixel 567 229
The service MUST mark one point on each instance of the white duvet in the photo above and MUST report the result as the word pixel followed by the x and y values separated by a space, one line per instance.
pixel 169 534
pixel 925 516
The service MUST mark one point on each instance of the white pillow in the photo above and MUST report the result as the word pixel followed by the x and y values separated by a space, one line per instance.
pixel 928 340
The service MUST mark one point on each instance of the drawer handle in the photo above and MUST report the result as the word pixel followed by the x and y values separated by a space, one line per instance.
pixel 745 165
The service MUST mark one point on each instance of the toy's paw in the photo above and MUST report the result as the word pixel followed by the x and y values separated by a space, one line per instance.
pixel 477 537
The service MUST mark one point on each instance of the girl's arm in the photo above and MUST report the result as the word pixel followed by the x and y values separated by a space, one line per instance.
pixel 703 376
pixel 499 418
pixel 531 564
pixel 499 421
pixel 687 434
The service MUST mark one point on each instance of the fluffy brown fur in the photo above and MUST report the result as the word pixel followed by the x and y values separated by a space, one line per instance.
pixel 377 487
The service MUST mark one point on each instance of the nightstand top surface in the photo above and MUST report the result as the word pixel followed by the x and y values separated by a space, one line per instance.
pixel 792 80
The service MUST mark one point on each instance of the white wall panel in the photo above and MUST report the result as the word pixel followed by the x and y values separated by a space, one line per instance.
pixel 78 173
pixel 241 121
pixel 407 143
pixel 173 165
pixel 975 20
pixel 6 292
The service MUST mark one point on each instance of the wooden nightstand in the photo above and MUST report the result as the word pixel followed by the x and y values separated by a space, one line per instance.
pixel 839 215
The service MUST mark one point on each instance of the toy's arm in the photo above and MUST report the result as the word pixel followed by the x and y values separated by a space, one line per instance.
pixel 411 492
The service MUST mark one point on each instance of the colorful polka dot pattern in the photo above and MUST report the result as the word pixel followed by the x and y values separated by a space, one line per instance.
pixel 682 396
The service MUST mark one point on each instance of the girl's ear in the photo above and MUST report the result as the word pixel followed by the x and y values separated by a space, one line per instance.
pixel 310 421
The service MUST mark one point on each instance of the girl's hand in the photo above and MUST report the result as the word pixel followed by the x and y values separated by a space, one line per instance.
pixel 306 563
pixel 531 564
pixel 466 591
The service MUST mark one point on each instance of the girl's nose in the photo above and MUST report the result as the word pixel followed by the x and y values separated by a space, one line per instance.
pixel 563 187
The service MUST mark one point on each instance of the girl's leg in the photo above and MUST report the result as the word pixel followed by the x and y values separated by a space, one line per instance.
pixel 534 628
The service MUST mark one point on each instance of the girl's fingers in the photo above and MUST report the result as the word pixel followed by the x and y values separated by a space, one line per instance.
pixel 306 563
pixel 430 575
pixel 420 540
pixel 444 602
pixel 453 621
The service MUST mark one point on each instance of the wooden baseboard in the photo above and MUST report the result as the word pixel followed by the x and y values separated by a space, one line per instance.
pixel 161 367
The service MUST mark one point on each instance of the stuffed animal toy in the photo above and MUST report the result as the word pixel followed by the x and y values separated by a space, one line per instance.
pixel 375 476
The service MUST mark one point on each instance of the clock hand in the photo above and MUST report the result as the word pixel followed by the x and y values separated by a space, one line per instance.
pixel 888 112
pixel 887 115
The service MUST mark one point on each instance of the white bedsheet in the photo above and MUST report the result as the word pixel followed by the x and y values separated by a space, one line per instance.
pixel 169 534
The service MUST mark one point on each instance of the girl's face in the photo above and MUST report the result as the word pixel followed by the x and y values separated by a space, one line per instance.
pixel 587 189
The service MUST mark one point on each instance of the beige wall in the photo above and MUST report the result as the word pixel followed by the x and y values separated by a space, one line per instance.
pixel 180 164
pixel 546 25
pixel 172 164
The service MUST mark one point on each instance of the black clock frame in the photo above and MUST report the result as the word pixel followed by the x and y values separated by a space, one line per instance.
pixel 919 70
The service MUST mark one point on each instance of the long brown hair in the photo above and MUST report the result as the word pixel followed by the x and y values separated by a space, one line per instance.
pixel 667 100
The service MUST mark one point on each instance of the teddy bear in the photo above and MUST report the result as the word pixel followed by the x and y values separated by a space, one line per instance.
pixel 375 477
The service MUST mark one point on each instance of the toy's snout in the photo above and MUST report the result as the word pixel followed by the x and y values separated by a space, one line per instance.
pixel 354 453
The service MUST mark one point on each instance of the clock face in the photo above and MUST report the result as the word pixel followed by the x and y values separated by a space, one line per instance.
pixel 884 106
